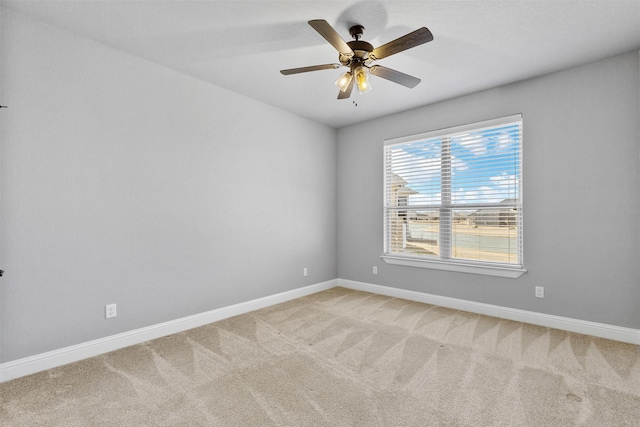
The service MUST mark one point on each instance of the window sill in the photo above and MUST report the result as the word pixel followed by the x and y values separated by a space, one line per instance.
pixel 511 273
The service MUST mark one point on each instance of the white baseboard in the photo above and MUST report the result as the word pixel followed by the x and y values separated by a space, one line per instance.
pixel 601 330
pixel 51 359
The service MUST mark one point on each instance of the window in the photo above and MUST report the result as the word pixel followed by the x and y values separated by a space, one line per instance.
pixel 453 198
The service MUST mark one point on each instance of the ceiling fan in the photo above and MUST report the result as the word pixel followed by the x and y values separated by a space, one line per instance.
pixel 358 55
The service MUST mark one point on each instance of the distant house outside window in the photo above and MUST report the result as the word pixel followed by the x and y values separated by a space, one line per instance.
pixel 453 198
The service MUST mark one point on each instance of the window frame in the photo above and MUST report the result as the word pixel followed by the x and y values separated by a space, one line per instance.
pixel 448 263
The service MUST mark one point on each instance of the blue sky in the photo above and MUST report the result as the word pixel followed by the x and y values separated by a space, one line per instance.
pixel 485 165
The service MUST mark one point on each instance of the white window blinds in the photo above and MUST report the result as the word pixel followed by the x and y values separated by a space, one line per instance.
pixel 455 195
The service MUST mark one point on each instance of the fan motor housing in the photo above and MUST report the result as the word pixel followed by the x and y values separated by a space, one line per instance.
pixel 361 50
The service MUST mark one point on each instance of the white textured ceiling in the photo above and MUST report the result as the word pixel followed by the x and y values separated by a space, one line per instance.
pixel 242 45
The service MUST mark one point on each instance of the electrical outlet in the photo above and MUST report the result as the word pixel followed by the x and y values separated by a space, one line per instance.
pixel 539 292
pixel 304 271
pixel 375 269
pixel 110 311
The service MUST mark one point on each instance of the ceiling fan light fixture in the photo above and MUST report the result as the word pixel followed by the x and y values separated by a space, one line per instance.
pixel 344 80
pixel 357 55
pixel 362 79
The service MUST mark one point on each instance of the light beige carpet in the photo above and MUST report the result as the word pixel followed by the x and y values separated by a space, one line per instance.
pixel 343 358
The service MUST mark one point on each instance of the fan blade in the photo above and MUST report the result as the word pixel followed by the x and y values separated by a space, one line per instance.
pixel 416 38
pixel 311 68
pixel 347 93
pixel 327 31
pixel 395 76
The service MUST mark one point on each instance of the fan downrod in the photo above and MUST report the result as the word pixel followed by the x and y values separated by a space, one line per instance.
pixel 356 32
pixel 361 49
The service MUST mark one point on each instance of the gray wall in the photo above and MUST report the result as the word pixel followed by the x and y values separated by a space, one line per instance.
pixel 581 194
pixel 126 182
